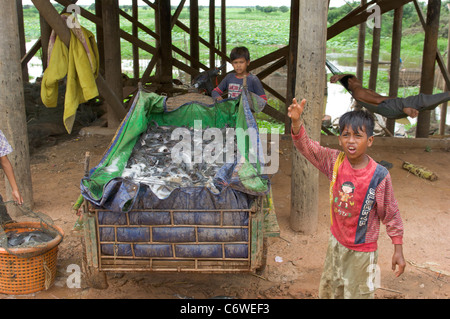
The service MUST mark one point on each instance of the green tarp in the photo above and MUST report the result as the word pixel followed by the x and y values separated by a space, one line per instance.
pixel 149 108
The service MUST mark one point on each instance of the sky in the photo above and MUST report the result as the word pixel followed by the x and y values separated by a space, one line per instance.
pixel 263 3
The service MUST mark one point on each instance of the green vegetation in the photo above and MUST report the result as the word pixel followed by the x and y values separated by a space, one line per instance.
pixel 265 29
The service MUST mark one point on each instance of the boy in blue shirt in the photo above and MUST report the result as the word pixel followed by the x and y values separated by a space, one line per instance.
pixel 233 82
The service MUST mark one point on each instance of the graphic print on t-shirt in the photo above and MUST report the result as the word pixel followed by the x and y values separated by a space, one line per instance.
pixel 345 199
pixel 234 90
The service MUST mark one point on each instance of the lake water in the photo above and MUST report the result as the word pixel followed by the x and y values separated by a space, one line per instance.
pixel 339 100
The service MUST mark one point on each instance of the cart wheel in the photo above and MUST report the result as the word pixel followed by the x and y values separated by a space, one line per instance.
pixel 94 278
pixel 260 271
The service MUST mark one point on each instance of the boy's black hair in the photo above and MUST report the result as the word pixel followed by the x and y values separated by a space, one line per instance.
pixel 357 120
pixel 240 52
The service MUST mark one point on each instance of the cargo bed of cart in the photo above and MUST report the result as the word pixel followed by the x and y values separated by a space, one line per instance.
pixel 129 227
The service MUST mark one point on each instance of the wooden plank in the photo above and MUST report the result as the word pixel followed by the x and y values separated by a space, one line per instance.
pixel 360 15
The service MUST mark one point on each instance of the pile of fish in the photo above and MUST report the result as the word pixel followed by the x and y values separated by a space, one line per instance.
pixel 165 164
pixel 27 238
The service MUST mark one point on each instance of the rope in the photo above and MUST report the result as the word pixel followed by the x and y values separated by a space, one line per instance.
pixel 48 276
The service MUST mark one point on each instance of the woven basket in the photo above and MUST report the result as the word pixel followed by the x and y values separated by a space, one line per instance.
pixel 19 275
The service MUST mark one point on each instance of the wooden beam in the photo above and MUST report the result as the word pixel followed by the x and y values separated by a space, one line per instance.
pixel 395 60
pixel 269 110
pixel 194 34
pixel 212 33
pixel 360 15
pixel 165 41
pixel 439 58
pixel 292 61
pixel 113 58
pixel 442 125
pixel 375 58
pixel 223 30
pixel 134 32
pixel 428 62
pixel 23 49
pixel 361 48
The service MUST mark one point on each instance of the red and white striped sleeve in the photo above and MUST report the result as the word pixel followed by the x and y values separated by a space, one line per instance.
pixel 388 211
pixel 323 158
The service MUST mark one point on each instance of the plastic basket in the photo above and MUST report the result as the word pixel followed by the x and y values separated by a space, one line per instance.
pixel 20 275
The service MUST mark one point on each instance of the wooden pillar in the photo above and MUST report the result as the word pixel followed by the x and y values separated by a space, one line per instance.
pixel 99 30
pixel 375 57
pixel 310 85
pixel 12 105
pixel 135 13
pixel 361 48
pixel 194 27
pixel 223 30
pixel 292 60
pixel 165 41
pixel 395 60
pixel 23 49
pixel 212 33
pixel 428 63
pixel 113 60
pixel 447 87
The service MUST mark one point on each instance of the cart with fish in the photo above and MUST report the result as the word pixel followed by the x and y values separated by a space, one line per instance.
pixel 180 189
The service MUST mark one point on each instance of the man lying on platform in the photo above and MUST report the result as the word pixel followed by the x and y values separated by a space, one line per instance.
pixel 389 107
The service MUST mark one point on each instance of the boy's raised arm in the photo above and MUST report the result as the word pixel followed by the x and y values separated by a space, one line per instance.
pixel 294 112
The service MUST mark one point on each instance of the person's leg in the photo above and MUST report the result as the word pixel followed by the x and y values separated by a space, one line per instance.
pixel 331 283
pixel 424 102
pixel 359 274
pixel 4 216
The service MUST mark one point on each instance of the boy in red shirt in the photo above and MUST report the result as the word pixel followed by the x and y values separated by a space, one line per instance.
pixel 361 196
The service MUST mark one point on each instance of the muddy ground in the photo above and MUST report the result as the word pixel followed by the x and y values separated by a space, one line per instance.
pixel 57 165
